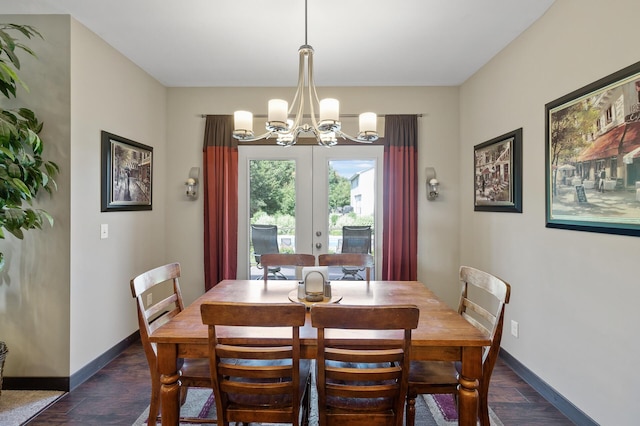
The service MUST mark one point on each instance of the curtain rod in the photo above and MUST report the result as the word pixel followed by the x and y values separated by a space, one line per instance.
pixel 309 116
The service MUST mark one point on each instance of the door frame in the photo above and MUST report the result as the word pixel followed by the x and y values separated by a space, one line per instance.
pixel 311 195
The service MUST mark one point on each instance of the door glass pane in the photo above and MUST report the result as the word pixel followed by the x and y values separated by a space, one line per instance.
pixel 351 201
pixel 272 207
pixel 309 193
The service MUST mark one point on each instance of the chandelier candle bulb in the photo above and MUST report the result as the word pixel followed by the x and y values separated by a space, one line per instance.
pixel 368 122
pixel 329 109
pixel 277 110
pixel 243 120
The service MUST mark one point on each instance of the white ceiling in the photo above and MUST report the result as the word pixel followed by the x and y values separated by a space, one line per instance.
pixel 194 43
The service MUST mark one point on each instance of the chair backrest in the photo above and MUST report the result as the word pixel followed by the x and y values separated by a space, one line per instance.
pixel 251 373
pixel 161 310
pixel 285 259
pixel 356 239
pixel 359 260
pixel 264 239
pixel 366 384
pixel 482 303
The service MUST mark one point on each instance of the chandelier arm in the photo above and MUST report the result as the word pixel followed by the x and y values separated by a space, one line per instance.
pixel 313 95
pixel 312 83
pixel 266 135
pixel 297 122
pixel 300 87
pixel 351 138
pixel 317 134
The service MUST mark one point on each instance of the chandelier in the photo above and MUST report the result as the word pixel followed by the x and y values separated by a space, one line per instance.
pixel 285 122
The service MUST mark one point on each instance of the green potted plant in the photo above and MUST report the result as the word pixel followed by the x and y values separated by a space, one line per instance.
pixel 23 171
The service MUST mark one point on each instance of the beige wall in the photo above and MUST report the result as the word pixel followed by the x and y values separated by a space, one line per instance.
pixel 66 297
pixel 34 286
pixel 438 136
pixel 110 93
pixel 572 292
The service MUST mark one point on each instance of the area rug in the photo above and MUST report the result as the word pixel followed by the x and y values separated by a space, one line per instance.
pixel 431 410
pixel 18 406
pixel 443 410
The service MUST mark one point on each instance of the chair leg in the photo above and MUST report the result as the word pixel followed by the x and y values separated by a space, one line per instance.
pixel 411 409
pixel 183 394
pixel 306 403
pixel 154 406
pixel 483 408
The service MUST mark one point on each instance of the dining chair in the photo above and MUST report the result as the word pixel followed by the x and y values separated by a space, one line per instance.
pixel 273 260
pixel 355 239
pixel 254 380
pixel 482 302
pixel 363 385
pixel 264 239
pixel 158 298
pixel 358 261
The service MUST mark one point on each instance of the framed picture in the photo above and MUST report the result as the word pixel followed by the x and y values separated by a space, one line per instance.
pixel 592 156
pixel 498 174
pixel 127 174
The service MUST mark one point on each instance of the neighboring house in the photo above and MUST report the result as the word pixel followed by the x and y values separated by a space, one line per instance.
pixel 362 192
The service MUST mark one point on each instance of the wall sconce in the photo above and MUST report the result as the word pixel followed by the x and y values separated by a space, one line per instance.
pixel 432 184
pixel 192 183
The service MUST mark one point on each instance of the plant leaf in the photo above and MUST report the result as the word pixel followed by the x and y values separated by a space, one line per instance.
pixel 8 153
pixel 14 170
pixel 17 232
pixel 23 188
pixel 47 216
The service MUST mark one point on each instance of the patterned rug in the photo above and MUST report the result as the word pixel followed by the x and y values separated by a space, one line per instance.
pixel 442 409
pixel 18 406
pixel 431 410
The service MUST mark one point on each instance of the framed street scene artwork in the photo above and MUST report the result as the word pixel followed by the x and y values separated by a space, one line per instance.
pixel 592 156
pixel 498 174
pixel 127 174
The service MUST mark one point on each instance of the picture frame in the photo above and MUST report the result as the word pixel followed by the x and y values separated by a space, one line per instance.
pixel 127 174
pixel 592 156
pixel 498 174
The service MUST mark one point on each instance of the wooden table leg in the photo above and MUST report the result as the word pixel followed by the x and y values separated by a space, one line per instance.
pixel 468 386
pixel 170 387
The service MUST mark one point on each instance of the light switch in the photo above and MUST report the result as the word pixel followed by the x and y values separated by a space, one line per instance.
pixel 104 231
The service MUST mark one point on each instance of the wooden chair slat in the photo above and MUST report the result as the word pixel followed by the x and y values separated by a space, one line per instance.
pixel 482 302
pixel 255 383
pixel 193 372
pixel 355 260
pixel 368 385
pixel 285 259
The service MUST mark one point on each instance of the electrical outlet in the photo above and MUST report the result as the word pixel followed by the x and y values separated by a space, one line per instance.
pixel 514 328
pixel 104 231
pixel 149 299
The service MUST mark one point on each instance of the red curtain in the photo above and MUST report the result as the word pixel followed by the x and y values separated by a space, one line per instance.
pixel 400 210
pixel 220 191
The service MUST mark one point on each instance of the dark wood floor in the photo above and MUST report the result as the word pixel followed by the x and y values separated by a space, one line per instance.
pixel 118 394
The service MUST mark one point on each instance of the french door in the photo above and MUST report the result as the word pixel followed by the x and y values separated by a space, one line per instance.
pixel 309 193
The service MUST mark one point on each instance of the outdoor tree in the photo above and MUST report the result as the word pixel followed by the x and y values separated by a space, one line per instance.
pixel 339 190
pixel 568 129
pixel 272 187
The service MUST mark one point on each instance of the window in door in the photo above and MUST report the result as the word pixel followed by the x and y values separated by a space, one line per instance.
pixel 304 196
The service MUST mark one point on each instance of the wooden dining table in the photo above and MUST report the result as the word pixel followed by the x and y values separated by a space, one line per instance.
pixel 442 334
